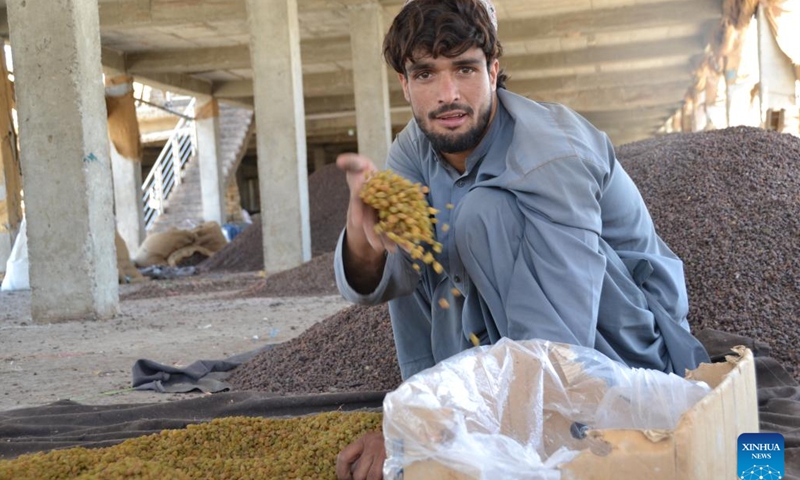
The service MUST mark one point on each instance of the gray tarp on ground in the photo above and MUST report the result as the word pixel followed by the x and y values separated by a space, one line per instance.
pixel 67 424
pixel 205 375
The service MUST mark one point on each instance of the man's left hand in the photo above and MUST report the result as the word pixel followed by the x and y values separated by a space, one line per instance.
pixel 362 459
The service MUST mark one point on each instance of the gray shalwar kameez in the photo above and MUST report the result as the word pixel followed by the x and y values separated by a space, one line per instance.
pixel 549 239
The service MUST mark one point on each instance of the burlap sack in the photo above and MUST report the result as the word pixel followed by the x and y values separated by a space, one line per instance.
pixel 125 270
pixel 210 237
pixel 157 247
pixel 179 255
pixel 123 128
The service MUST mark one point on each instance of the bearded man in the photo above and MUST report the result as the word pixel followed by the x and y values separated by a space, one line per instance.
pixel 548 239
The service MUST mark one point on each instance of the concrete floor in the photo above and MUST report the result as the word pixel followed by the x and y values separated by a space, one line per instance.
pixel 90 362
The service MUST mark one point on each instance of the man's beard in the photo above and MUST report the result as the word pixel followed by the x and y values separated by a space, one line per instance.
pixel 455 143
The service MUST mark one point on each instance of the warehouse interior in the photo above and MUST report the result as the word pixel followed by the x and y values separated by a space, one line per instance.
pixel 168 190
pixel 633 69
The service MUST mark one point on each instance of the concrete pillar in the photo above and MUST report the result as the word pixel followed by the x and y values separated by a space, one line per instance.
pixel 373 117
pixel 126 160
pixel 10 175
pixel 128 204
pixel 280 132
pixel 211 181
pixel 65 157
pixel 319 158
pixel 777 78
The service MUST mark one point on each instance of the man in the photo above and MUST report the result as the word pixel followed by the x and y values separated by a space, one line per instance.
pixel 549 238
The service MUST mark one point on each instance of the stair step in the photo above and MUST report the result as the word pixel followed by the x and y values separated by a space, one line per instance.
pixel 185 202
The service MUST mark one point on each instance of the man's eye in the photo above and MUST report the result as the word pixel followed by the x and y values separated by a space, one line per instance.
pixel 466 70
pixel 423 75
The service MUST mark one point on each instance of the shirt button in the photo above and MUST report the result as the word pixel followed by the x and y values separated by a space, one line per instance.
pixel 456 279
pixel 460 183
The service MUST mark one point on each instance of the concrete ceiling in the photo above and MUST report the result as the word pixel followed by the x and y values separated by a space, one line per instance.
pixel 624 64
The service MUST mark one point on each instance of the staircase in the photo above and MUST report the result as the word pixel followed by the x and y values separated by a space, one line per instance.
pixel 184 208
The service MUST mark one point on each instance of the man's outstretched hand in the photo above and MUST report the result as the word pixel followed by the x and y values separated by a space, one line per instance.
pixel 361 218
pixel 362 459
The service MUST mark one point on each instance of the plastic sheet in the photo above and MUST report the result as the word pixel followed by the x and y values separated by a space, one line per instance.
pixel 498 411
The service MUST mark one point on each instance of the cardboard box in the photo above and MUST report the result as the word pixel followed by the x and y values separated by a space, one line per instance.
pixel 702 447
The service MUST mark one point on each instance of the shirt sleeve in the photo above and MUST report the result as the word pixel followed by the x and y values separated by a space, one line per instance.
pixel 399 277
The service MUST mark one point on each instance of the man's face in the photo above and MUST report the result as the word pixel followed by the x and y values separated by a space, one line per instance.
pixel 452 98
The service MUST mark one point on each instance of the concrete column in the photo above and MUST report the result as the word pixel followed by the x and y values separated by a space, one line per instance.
pixel 319 158
pixel 10 175
pixel 373 117
pixel 126 161
pixel 280 132
pixel 211 181
pixel 777 78
pixel 128 204
pixel 65 156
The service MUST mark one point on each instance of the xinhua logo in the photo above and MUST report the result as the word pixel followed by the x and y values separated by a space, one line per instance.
pixel 760 456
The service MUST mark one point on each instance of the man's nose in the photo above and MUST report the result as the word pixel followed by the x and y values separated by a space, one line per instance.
pixel 448 89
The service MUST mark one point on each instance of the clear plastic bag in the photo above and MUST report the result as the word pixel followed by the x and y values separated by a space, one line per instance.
pixel 516 410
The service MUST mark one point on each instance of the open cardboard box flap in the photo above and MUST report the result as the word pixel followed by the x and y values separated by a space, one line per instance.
pixel 702 446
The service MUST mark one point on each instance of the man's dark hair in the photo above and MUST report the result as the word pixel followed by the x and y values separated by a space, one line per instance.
pixel 441 28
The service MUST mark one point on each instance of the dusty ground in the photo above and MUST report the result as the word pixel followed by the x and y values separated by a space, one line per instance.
pixel 90 362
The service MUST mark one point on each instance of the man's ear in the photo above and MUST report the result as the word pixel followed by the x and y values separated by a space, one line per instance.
pixel 494 71
pixel 404 83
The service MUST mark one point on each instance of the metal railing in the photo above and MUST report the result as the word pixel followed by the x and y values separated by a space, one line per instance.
pixel 167 172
